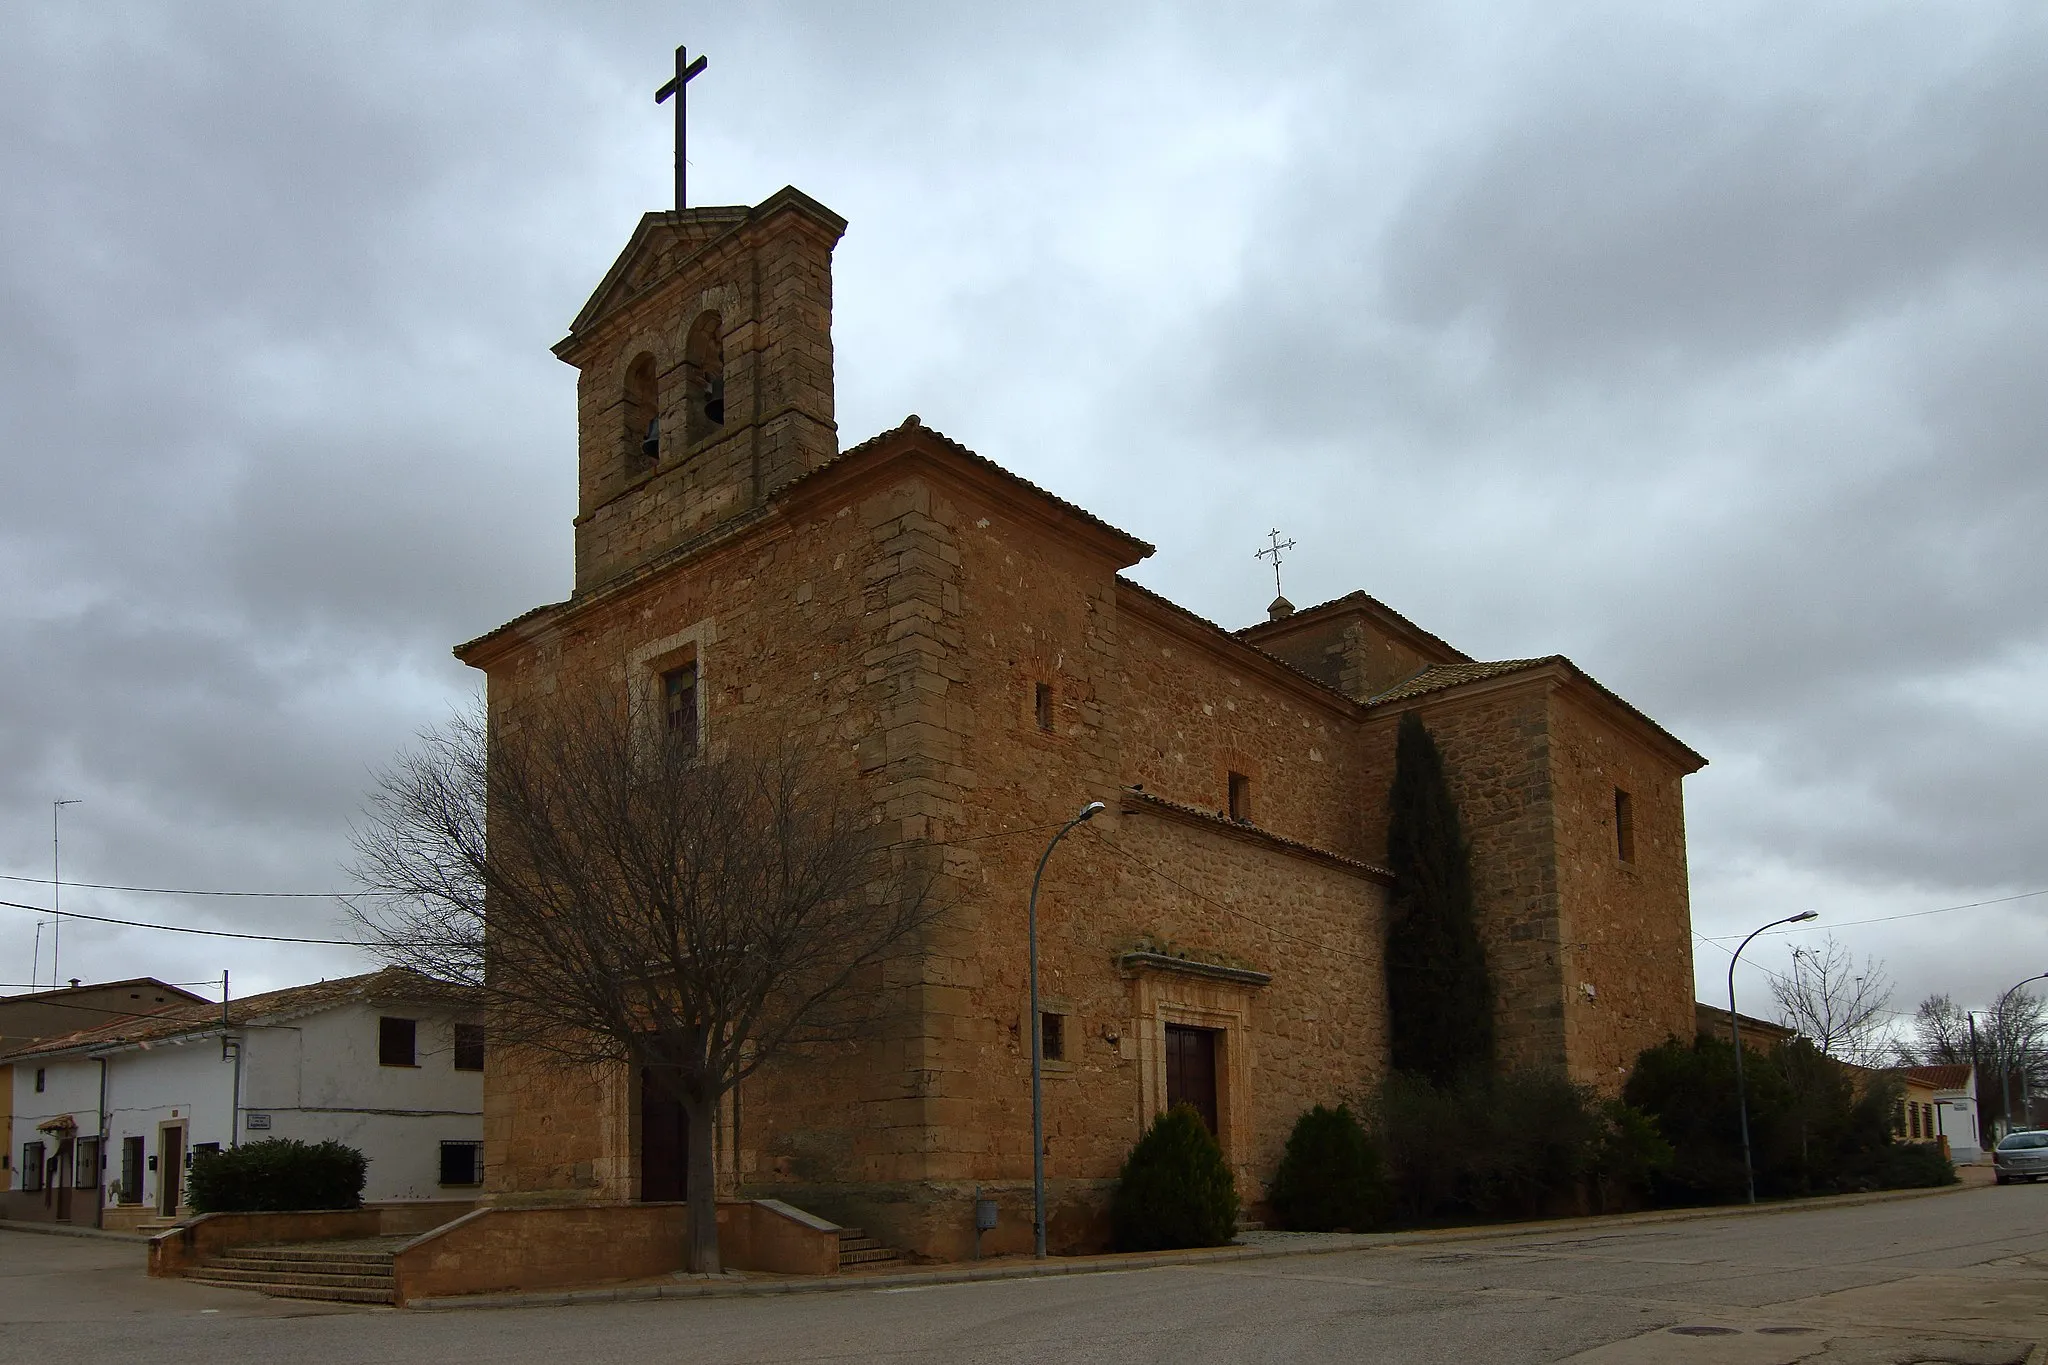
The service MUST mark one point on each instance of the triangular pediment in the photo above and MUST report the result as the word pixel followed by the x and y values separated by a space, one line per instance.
pixel 663 242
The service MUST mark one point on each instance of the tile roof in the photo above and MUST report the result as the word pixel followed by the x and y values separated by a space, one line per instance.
pixel 1437 677
pixel 1954 1076
pixel 1250 830
pixel 391 983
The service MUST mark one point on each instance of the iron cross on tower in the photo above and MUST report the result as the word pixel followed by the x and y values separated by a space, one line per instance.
pixel 1273 552
pixel 679 86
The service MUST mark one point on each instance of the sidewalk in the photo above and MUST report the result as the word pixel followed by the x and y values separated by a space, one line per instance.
pixel 1249 1246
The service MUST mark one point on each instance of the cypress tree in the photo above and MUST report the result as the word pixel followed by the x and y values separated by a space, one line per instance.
pixel 1439 1000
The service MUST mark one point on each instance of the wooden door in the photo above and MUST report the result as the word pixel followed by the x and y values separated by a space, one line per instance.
pixel 170 1169
pixel 1191 1070
pixel 62 1179
pixel 664 1141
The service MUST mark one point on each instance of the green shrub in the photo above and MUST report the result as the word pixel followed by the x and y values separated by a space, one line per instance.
pixel 1908 1166
pixel 1523 1145
pixel 1174 1190
pixel 278 1175
pixel 1330 1176
pixel 1812 1128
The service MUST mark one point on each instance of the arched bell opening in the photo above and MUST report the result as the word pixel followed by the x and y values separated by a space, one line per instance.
pixel 641 434
pixel 704 378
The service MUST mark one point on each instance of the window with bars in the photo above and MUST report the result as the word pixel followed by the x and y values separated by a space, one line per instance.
pixel 85 1163
pixel 1052 1037
pixel 1240 797
pixel 31 1166
pixel 462 1163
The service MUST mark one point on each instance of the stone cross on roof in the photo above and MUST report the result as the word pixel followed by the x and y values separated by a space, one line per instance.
pixel 1281 606
pixel 679 86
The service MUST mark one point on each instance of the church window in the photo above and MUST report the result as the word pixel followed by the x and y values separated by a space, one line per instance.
pixel 1052 1037
pixel 704 378
pixel 1041 705
pixel 679 704
pixel 642 431
pixel 1240 797
pixel 1624 826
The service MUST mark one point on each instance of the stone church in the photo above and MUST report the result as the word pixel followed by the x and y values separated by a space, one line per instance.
pixel 964 645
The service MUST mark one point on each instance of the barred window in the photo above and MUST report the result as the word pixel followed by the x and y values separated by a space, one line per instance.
pixel 469 1047
pixel 462 1163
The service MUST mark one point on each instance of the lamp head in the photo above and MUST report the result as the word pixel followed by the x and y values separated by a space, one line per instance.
pixel 1091 810
pixel 1804 915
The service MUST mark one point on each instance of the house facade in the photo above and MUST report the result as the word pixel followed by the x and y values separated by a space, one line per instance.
pixel 32 1017
pixel 963 648
pixel 106 1122
pixel 1941 1104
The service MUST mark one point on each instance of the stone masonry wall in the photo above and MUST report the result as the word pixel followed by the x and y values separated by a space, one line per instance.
pixel 1497 752
pixel 1626 927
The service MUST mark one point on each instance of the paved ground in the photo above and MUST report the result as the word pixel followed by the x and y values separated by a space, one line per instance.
pixel 1961 1277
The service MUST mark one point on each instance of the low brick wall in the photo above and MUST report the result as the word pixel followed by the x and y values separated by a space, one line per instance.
pixel 183 1247
pixel 502 1250
pixel 411 1217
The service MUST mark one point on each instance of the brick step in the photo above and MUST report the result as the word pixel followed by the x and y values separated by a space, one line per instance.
pixel 318 1278
pixel 325 1293
pixel 872 1256
pixel 296 1256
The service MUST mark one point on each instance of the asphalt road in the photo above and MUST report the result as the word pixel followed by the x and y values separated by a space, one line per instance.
pixel 1956 1277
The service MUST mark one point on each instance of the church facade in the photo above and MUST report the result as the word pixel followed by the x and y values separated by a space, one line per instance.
pixel 964 646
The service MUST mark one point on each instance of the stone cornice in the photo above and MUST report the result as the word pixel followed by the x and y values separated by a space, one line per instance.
pixel 1137 802
pixel 1133 962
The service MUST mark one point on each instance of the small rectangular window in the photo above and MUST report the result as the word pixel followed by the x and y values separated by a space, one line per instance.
pixel 40 1078
pixel 85 1165
pixel 396 1039
pixel 1240 797
pixel 462 1163
pixel 469 1047
pixel 31 1166
pixel 1052 1037
pixel 1624 826
pixel 679 704
pixel 1041 705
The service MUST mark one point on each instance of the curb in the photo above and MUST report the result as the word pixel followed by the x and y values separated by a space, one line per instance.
pixel 1142 1260
pixel 65 1230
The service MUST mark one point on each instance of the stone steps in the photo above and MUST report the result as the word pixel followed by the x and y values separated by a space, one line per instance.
pixel 348 1273
pixel 856 1248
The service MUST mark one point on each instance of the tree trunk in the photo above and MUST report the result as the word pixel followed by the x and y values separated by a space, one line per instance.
pixel 703 1185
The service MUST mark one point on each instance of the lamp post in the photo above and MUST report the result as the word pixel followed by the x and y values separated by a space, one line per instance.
pixel 1735 1032
pixel 2002 1017
pixel 1088 812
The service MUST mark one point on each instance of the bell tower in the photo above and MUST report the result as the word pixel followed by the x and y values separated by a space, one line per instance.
pixel 704 383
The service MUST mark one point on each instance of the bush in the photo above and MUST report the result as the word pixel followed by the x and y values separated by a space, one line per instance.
pixel 1174 1190
pixel 1812 1128
pixel 1330 1178
pixel 1517 1146
pixel 278 1175
pixel 1908 1166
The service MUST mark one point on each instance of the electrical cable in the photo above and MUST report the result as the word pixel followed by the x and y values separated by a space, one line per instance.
pixel 182 929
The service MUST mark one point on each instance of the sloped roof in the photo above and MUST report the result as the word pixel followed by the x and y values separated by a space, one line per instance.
pixel 1955 1076
pixel 1246 828
pixel 1360 603
pixel 1437 677
pixel 391 983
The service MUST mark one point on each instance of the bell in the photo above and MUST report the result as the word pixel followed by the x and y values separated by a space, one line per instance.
pixel 650 444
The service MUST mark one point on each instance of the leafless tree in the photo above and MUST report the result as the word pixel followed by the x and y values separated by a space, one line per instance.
pixel 1941 1034
pixel 622 898
pixel 1842 1009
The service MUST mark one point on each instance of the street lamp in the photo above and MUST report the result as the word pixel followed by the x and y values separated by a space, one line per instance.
pixel 2004 1018
pixel 1088 812
pixel 1735 1032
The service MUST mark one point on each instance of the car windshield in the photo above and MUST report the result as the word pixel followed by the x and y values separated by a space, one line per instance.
pixel 2021 1140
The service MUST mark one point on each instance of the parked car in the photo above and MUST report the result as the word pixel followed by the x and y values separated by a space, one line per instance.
pixel 2021 1156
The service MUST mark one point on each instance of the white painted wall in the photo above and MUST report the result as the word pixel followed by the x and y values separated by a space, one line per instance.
pixel 1956 1119
pixel 313 1078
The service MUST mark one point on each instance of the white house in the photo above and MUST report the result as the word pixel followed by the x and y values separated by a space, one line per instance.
pixel 1955 1107
pixel 106 1121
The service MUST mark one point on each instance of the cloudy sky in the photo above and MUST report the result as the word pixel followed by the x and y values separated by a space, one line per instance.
pixel 1705 348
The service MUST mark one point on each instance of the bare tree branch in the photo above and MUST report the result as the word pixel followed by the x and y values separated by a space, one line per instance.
pixel 1842 1009
pixel 623 898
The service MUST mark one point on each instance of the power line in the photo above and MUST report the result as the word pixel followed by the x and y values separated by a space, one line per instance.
pixel 178 891
pixel 182 929
pixel 1887 919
